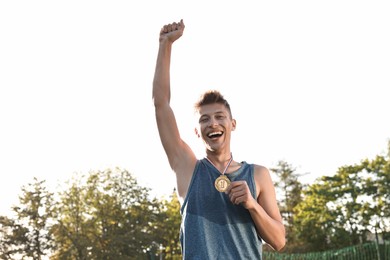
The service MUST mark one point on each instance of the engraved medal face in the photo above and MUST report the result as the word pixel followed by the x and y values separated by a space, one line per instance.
pixel 222 183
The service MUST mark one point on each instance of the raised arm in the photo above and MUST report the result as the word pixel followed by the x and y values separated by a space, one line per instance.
pixel 181 158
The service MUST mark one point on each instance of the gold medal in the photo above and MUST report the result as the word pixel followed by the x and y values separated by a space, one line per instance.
pixel 222 183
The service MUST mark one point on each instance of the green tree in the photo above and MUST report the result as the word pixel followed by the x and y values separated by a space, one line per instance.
pixel 346 188
pixel 376 209
pixel 34 220
pixel 168 225
pixel 342 209
pixel 330 216
pixel 71 232
pixel 109 216
pixel 289 192
pixel 313 219
pixel 12 238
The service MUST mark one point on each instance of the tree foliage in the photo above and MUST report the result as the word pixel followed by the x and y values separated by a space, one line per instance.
pixel 29 233
pixel 341 210
pixel 289 190
pixel 108 215
pixel 102 215
pixel 168 222
pixel 12 238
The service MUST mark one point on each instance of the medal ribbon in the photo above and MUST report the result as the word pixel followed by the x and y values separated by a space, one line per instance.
pixel 227 166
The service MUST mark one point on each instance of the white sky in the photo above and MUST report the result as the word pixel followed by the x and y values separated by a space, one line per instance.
pixel 308 82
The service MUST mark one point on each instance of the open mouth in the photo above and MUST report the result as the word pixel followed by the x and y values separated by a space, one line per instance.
pixel 214 135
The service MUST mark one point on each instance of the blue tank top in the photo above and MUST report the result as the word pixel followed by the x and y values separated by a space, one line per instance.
pixel 212 226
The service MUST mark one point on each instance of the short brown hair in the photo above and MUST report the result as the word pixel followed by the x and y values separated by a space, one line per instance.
pixel 212 97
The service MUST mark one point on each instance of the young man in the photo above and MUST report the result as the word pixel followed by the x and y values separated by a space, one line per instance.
pixel 228 207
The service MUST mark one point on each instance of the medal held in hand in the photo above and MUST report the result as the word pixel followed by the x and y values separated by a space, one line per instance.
pixel 222 182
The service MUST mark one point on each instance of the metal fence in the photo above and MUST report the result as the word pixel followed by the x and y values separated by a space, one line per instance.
pixel 368 251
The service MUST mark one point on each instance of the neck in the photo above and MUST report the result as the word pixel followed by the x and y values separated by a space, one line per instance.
pixel 220 158
pixel 220 161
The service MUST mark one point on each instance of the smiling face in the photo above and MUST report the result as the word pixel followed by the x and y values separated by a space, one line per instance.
pixel 215 125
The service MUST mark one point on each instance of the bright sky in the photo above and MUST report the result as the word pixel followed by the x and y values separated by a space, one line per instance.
pixel 308 82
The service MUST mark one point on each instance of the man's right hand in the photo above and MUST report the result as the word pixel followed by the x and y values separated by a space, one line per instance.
pixel 172 32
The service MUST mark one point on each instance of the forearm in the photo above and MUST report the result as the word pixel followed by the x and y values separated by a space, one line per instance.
pixel 270 230
pixel 161 81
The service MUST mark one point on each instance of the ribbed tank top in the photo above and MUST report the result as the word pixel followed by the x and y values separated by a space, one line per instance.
pixel 212 226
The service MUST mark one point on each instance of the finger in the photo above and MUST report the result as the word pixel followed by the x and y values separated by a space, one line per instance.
pixel 236 194
pixel 238 199
pixel 229 188
pixel 233 186
pixel 238 186
pixel 175 26
pixel 165 28
pixel 227 191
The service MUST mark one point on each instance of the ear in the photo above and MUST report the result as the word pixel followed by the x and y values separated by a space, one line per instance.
pixel 234 124
pixel 196 132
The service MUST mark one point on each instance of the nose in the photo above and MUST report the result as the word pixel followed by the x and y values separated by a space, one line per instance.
pixel 213 122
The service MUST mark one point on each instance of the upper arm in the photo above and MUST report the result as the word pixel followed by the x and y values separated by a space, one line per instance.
pixel 180 156
pixel 266 196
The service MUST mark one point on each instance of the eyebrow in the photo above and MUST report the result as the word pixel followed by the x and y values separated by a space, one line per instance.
pixel 217 112
pixel 220 112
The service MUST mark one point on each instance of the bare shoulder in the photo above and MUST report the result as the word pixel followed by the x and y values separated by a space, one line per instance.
pixel 261 173
pixel 184 169
pixel 266 196
pixel 263 179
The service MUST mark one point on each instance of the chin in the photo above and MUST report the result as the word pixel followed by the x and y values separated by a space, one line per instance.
pixel 214 148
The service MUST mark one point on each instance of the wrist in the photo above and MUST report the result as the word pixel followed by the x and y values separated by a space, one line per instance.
pixel 165 41
pixel 253 206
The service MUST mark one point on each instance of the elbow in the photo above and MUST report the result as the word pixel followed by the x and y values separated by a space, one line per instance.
pixel 279 245
pixel 160 101
pixel 278 242
pixel 155 102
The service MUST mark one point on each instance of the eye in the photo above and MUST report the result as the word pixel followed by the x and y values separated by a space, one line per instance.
pixel 203 120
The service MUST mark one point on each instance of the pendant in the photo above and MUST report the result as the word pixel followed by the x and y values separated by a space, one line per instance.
pixel 222 183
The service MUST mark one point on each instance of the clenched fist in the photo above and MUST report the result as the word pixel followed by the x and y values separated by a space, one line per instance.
pixel 172 31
